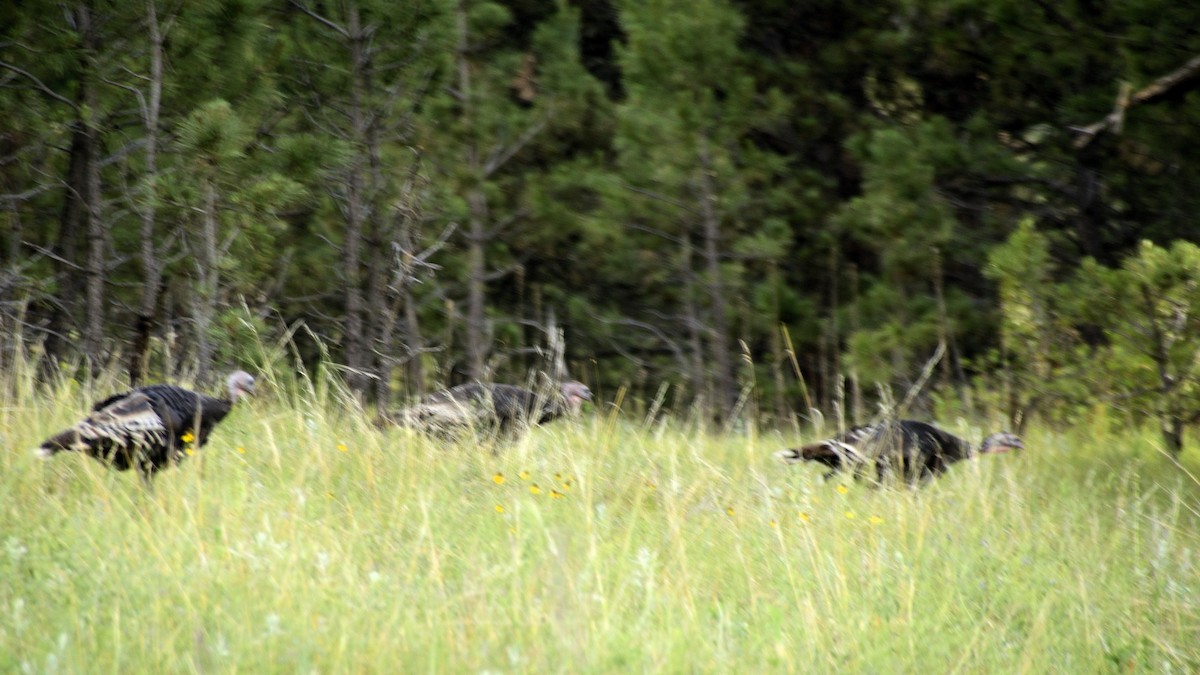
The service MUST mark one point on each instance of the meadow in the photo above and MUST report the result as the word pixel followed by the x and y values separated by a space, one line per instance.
pixel 302 539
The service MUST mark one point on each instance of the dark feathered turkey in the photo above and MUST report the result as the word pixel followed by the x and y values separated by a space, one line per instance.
pixel 502 408
pixel 916 451
pixel 148 428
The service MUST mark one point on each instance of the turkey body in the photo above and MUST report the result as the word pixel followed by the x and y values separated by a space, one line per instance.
pixel 915 451
pixel 147 428
pixel 495 408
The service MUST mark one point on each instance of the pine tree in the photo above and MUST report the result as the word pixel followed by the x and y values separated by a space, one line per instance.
pixel 387 58
pixel 684 147
pixel 516 90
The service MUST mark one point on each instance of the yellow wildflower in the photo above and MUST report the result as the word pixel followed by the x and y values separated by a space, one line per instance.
pixel 875 520
pixel 556 494
pixel 842 489
pixel 342 447
pixel 804 517
pixel 190 450
pixel 729 510
pixel 774 523
pixel 524 475
pixel 241 450
pixel 499 508
pixel 187 437
pixel 498 478
pixel 558 477
pixel 534 489
pixel 850 515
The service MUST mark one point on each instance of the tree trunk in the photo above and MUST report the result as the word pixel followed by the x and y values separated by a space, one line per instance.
pixel 478 212
pixel 77 216
pixel 380 237
pixel 1163 339
pixel 404 243
pixel 403 304
pixel 858 407
pixel 93 333
pixel 15 236
pixel 151 264
pixel 206 295
pixel 777 355
pixel 1090 216
pixel 834 388
pixel 1172 431
pixel 356 214
pixel 66 247
pixel 476 286
pixel 415 376
pixel 725 392
pixel 84 186
pixel 379 319
pixel 407 242
pixel 381 333
pixel 691 317
pixel 12 319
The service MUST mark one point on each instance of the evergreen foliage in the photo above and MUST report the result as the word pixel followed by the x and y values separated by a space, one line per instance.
pixel 775 205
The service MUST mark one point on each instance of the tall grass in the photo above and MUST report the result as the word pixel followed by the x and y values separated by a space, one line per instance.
pixel 301 539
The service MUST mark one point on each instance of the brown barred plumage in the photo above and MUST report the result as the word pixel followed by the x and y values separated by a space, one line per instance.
pixel 495 408
pixel 148 428
pixel 915 451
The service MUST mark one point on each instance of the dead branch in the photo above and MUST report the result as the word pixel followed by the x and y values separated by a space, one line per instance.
pixel 1172 85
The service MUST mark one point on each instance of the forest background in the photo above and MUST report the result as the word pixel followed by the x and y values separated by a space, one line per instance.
pixel 770 206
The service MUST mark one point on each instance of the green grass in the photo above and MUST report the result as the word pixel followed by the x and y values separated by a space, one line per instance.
pixel 669 551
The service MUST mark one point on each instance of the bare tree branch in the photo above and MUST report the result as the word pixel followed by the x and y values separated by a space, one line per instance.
pixel 40 85
pixel 1171 85
pixel 657 196
pixel 500 155
pixel 31 192
pixel 320 19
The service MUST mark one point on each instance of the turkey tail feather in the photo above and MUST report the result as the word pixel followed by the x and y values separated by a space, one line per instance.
pixel 829 453
pixel 149 428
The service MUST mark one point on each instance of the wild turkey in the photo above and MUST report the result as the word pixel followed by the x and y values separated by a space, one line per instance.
pixel 916 450
pixel 148 428
pixel 502 408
